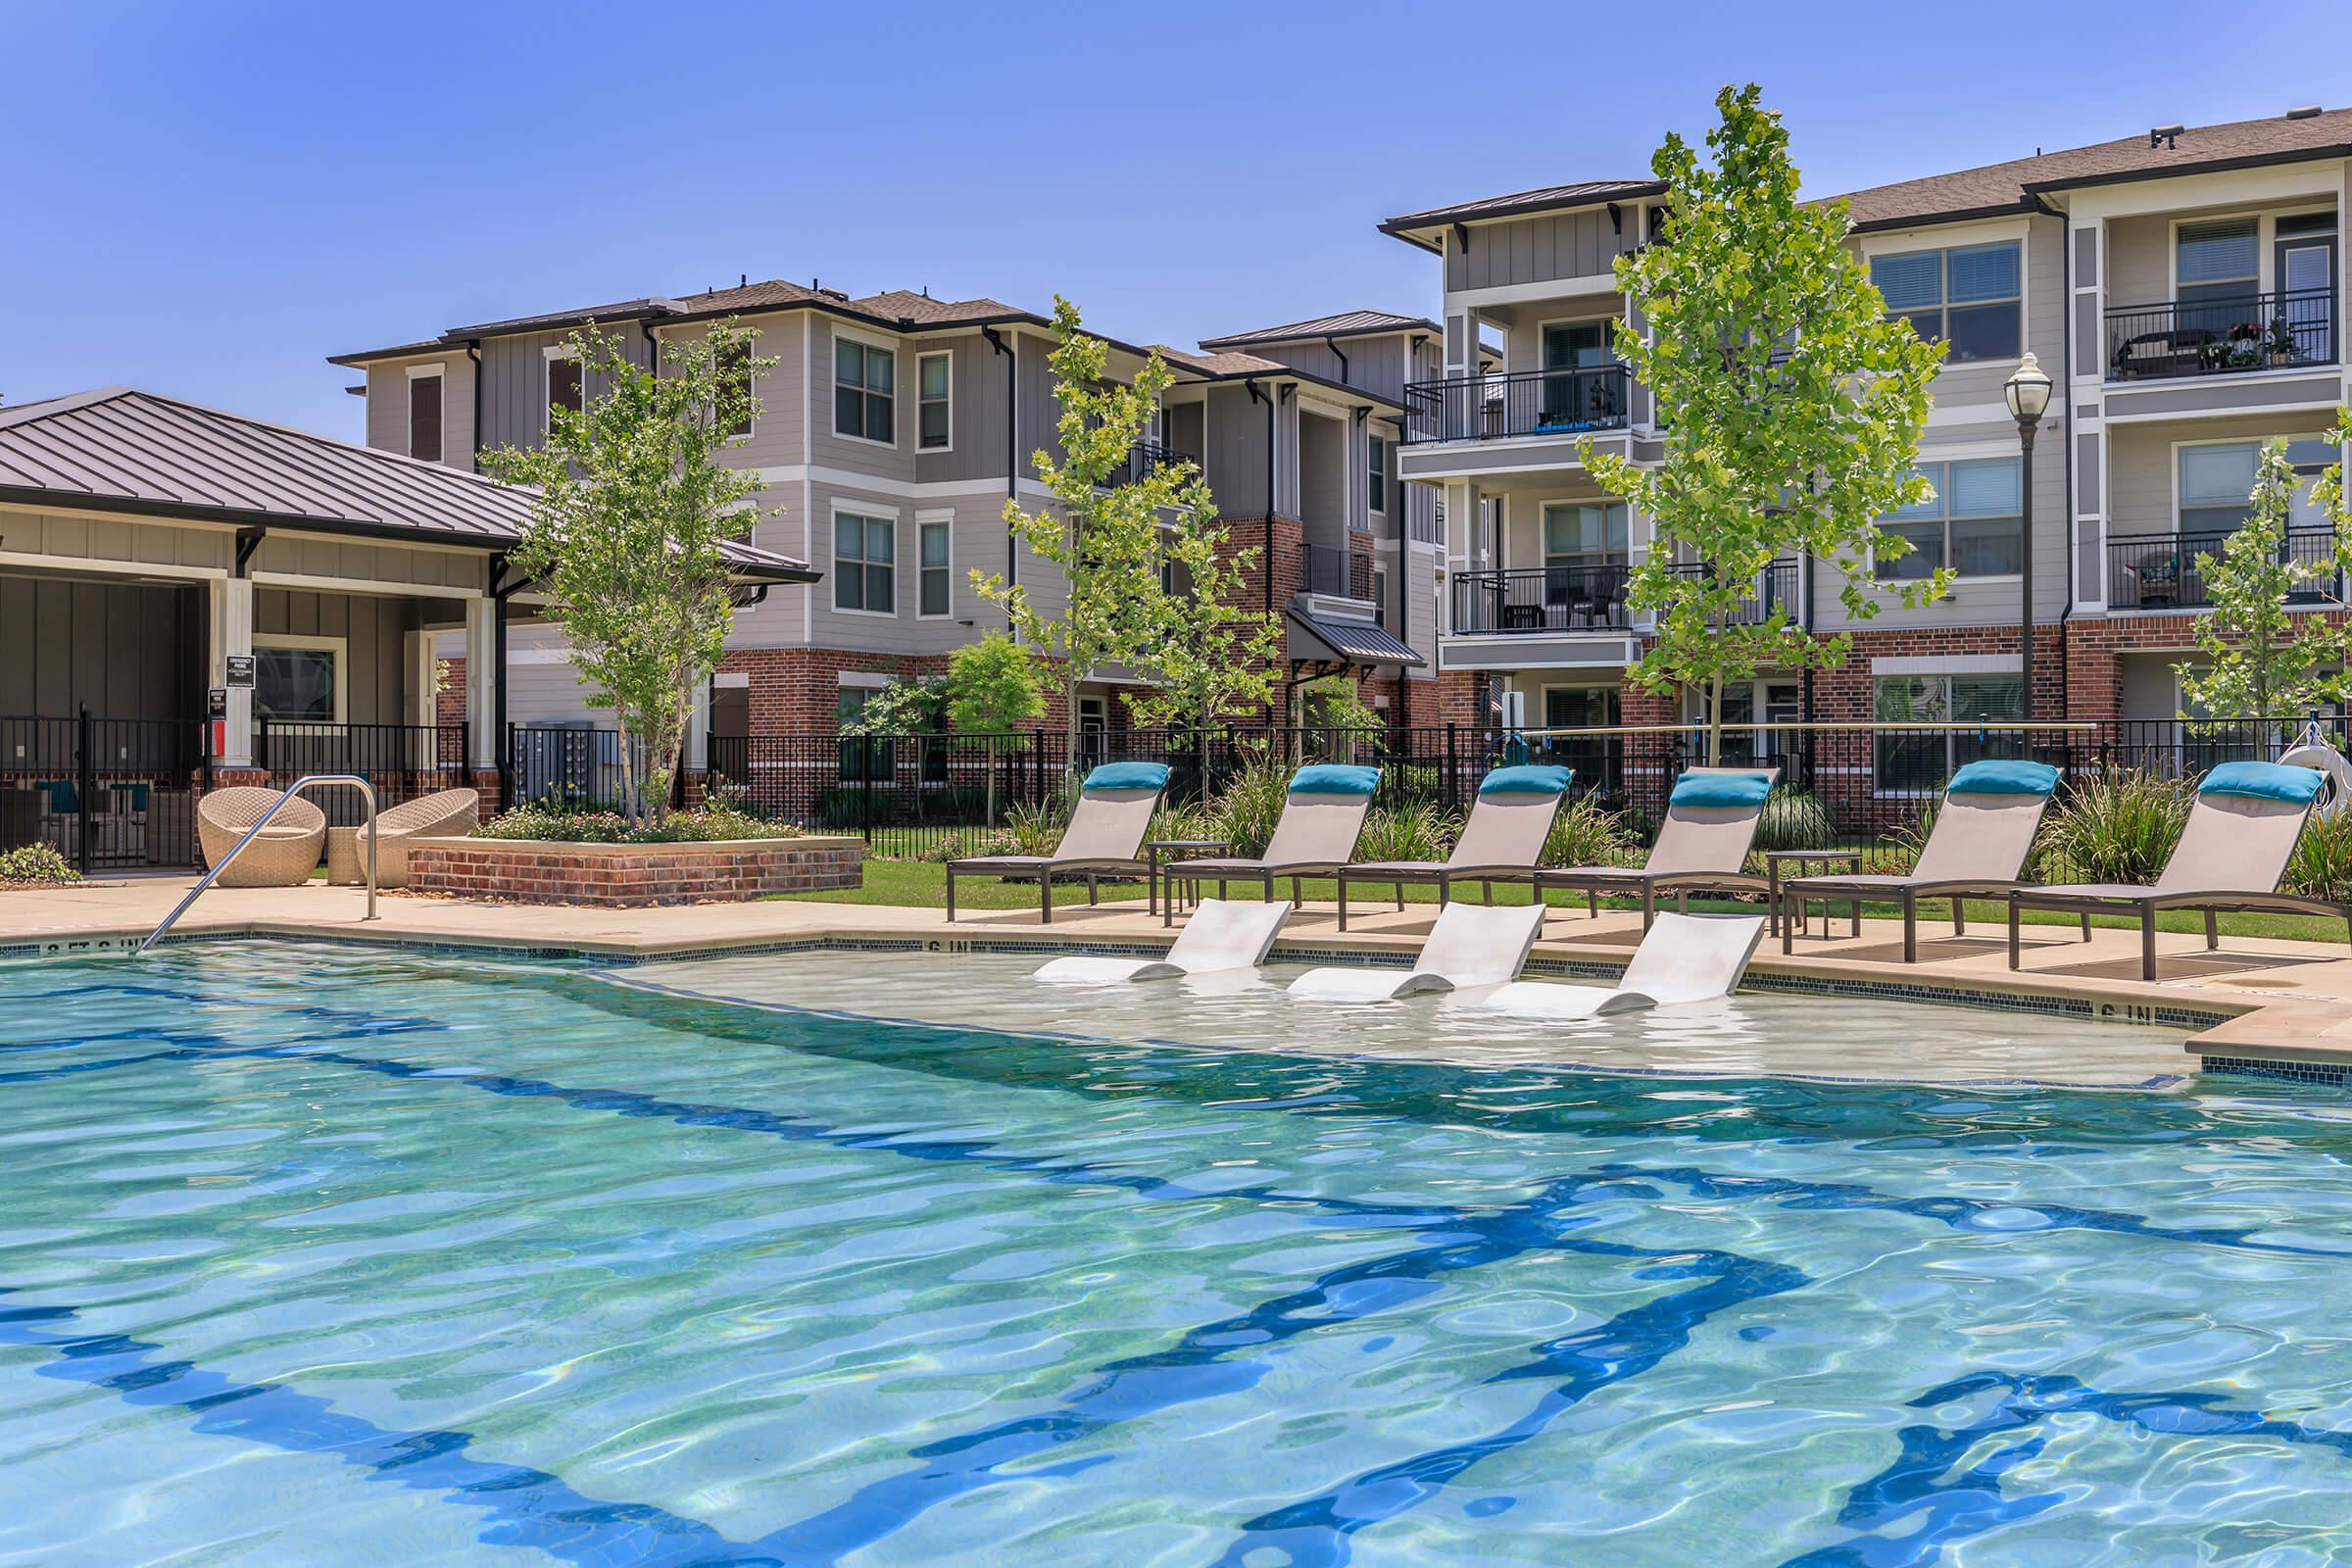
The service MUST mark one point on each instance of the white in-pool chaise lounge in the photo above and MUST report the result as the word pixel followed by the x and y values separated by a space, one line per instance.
pixel 2240 834
pixel 1471 944
pixel 1221 934
pixel 1683 959
pixel 1711 818
pixel 1509 822
pixel 1322 817
pixel 1105 834
pixel 1976 849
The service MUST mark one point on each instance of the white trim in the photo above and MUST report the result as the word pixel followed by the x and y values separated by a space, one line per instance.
pixel 418 372
pixel 370 587
pixel 1946 665
pixel 835 510
pixel 551 355
pixel 408 410
pixel 833 384
pixel 948 355
pixel 861 679
pixel 100 565
pixel 731 680
pixel 1559 288
pixel 341 649
pixel 935 518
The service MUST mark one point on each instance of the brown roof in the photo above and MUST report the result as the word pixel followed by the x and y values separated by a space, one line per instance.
pixel 1229 363
pixel 118 448
pixel 1348 323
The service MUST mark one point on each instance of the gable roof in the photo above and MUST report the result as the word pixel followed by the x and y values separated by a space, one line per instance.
pixel 1348 324
pixel 1238 364
pixel 118 448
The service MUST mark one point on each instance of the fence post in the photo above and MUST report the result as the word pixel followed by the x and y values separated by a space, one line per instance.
pixel 865 791
pixel 85 782
pixel 1452 763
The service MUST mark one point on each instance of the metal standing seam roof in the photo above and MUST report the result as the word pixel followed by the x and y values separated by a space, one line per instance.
pixel 1357 642
pixel 1348 324
pixel 118 448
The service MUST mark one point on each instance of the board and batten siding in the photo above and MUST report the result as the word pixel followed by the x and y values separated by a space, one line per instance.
pixel 514 381
pixel 388 406
pixel 377 680
pixel 1538 248
pixel 116 542
pixel 127 650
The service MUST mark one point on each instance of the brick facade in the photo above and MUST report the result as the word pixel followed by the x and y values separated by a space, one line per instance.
pixel 449 702
pixel 632 875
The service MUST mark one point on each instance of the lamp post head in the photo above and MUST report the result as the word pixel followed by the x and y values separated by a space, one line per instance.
pixel 2028 391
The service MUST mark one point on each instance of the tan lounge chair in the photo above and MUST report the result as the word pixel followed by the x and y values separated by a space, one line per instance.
pixel 1105 834
pixel 1501 842
pixel 1321 820
pixel 1702 846
pixel 287 850
pixel 440 814
pixel 2240 834
pixel 1976 849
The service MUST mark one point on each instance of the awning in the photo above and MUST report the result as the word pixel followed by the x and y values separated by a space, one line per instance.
pixel 1329 639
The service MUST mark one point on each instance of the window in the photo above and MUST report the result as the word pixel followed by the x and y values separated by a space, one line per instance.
pixel 1924 760
pixel 934 376
pixel 1378 473
pixel 564 389
pixel 2215 262
pixel 935 590
pixel 1584 534
pixel 424 415
pixel 1968 296
pixel 1974 522
pixel 298 679
pixel 2217 483
pixel 736 365
pixel 862 756
pixel 865 559
pixel 864 402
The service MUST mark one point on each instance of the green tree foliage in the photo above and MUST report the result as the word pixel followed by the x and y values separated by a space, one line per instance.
pixel 2261 662
pixel 1792 408
pixel 628 532
pixel 992 688
pixel 910 704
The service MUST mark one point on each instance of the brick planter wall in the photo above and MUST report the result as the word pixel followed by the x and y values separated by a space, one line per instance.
pixel 633 875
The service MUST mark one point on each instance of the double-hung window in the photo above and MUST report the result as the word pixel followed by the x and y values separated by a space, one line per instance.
pixel 935 590
pixel 864 395
pixel 2216 489
pixel 1923 760
pixel 563 386
pixel 1377 473
pixel 736 366
pixel 864 563
pixel 1974 523
pixel 425 415
pixel 1968 296
pixel 934 379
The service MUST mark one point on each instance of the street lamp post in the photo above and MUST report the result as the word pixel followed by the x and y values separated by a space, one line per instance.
pixel 2028 393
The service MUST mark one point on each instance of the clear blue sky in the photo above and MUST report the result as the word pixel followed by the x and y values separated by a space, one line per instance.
pixel 208 199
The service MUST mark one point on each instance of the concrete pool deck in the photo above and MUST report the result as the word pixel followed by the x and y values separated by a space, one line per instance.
pixel 2259 999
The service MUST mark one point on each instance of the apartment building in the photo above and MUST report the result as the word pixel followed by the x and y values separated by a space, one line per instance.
pixel 2182 287
pixel 892 430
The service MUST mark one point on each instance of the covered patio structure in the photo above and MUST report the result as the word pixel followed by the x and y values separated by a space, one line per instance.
pixel 191 598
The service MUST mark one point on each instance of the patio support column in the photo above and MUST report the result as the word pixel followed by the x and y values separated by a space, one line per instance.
pixel 232 617
pixel 483 678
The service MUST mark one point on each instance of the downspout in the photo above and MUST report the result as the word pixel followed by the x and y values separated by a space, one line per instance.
pixel 1340 354
pixel 2066 380
pixel 653 347
pixel 1012 452
pixel 1266 574
pixel 473 351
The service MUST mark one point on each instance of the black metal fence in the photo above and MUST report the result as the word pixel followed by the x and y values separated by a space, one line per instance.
pixel 1334 570
pixel 401 761
pixel 108 794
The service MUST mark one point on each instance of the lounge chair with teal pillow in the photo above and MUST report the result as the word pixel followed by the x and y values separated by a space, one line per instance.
pixel 1322 817
pixel 1501 842
pixel 1105 835
pixel 1711 818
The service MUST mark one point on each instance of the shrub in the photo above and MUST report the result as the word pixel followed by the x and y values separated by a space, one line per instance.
pixel 1794 819
pixel 1246 809
pixel 1588 833
pixel 558 824
pixel 2118 826
pixel 1034 827
pixel 37 863
pixel 1190 821
pixel 2321 864
pixel 1416 832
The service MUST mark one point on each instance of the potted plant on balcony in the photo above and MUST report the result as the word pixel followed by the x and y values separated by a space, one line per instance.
pixel 2282 341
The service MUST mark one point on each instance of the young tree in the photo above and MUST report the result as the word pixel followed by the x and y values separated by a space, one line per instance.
pixel 628 534
pixel 1111 542
pixel 1792 408
pixel 1209 656
pixel 2262 663
pixel 992 689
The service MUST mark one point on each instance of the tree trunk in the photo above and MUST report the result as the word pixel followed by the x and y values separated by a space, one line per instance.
pixel 629 803
pixel 1715 721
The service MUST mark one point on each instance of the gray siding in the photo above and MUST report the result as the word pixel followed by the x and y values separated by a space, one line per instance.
pixel 976 406
pixel 388 406
pixel 2140 463
pixel 2139 259
pixel 514 383
pixel 375 678
pixel 1533 250
pixel 127 650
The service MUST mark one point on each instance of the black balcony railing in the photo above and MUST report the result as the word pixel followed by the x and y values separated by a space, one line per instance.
pixel 2159 571
pixel 1478 408
pixel 1542 599
pixel 1776 589
pixel 1334 570
pixel 1144 457
pixel 2221 336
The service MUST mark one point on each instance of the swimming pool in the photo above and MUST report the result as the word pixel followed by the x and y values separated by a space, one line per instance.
pixel 322 1255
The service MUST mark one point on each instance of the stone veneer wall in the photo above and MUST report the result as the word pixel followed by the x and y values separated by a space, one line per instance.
pixel 633 875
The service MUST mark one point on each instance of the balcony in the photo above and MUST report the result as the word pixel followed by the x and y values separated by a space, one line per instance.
pixel 1485 408
pixel 2159 571
pixel 2279 330
pixel 1540 599
pixel 1144 457
pixel 1335 571
pixel 1776 589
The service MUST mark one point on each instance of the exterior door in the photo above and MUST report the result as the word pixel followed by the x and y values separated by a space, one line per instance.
pixel 2307 295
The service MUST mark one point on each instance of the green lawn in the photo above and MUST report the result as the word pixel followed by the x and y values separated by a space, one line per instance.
pixel 923 885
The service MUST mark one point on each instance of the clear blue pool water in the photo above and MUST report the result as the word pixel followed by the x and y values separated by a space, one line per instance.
pixel 321 1256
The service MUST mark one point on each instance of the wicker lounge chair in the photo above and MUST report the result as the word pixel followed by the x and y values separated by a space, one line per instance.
pixel 287 850
pixel 1976 849
pixel 1105 834
pixel 2241 832
pixel 443 813
pixel 1711 821
pixel 1501 842
pixel 1322 817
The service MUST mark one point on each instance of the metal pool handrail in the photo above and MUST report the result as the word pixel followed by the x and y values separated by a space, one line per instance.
pixel 367 794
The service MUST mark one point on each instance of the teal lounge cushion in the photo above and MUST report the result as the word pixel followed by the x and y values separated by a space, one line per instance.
pixel 1531 780
pixel 63 799
pixel 2004 777
pixel 1721 789
pixel 1129 776
pixel 2264 781
pixel 1334 778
